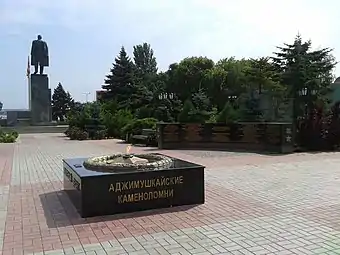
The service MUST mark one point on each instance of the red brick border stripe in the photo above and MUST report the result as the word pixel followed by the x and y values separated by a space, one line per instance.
pixel 6 161
pixel 41 217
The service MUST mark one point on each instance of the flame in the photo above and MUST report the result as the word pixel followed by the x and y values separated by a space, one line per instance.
pixel 128 149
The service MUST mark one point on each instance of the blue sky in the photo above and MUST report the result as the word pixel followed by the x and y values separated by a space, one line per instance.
pixel 84 36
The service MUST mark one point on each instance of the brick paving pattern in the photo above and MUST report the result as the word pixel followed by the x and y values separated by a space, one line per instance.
pixel 255 204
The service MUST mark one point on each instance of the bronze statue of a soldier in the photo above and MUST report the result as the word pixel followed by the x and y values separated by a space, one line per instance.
pixel 39 55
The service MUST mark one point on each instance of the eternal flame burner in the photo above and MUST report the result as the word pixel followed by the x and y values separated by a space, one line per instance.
pixel 124 183
pixel 128 162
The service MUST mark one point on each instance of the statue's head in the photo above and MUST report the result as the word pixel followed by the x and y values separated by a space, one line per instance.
pixel 39 37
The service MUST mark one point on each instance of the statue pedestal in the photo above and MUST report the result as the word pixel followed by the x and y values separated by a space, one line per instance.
pixel 40 99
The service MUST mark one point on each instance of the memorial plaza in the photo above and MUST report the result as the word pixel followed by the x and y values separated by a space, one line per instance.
pixel 254 204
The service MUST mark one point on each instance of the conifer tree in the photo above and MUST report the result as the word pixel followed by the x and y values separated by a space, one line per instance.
pixel 306 73
pixel 308 77
pixel 62 102
pixel 119 83
pixel 144 60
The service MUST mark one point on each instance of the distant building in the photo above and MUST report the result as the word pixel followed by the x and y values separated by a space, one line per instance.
pixel 3 115
pixel 14 117
pixel 335 97
pixel 99 94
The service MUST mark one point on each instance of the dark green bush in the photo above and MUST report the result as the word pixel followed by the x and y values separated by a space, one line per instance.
pixel 73 133
pixel 83 135
pixel 6 137
pixel 85 122
pixel 114 122
pixel 84 115
pixel 185 115
pixel 103 120
pixel 136 126
pixel 191 114
pixel 70 131
pixel 77 134
pixel 67 132
pixel 152 140
pixel 100 134
pixel 14 133
pixel 228 115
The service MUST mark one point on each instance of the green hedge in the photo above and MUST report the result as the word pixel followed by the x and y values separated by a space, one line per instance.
pixel 8 136
pixel 135 127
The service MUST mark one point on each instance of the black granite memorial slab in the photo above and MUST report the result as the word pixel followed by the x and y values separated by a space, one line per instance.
pixel 96 193
pixel 249 136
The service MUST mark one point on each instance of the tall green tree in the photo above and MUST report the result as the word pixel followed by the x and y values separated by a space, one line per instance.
pixel 144 60
pixel 146 80
pixel 236 80
pixel 62 102
pixel 306 73
pixel 200 100
pixel 145 96
pixel 215 81
pixel 186 78
pixel 263 84
pixel 261 74
pixel 70 100
pixel 119 83
pixel 229 114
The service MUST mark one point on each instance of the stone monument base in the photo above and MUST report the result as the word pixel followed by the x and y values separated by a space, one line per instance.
pixel 40 99
pixel 96 193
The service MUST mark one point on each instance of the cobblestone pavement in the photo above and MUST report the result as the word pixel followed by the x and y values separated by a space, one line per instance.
pixel 255 204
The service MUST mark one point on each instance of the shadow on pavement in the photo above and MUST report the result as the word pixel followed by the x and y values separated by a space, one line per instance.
pixel 60 212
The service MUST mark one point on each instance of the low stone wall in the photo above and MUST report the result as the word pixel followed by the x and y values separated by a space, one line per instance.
pixel 248 136
pixel 36 129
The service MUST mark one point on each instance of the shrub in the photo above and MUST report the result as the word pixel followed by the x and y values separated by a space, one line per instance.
pixel 67 132
pixel 77 134
pixel 114 122
pixel 14 133
pixel 332 135
pixel 213 116
pixel 100 134
pixel 84 115
pixel 8 137
pixel 192 114
pixel 83 135
pixel 85 122
pixel 152 140
pixel 70 131
pixel 228 115
pixel 76 118
pixel 319 130
pixel 135 127
pixel 73 133
pixel 185 115
pixel 11 132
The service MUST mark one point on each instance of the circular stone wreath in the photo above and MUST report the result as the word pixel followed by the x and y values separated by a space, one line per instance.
pixel 101 163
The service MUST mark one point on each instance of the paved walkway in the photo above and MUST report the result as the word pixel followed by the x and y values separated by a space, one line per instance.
pixel 255 204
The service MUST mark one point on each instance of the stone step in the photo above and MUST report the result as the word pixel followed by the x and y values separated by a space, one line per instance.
pixel 37 129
